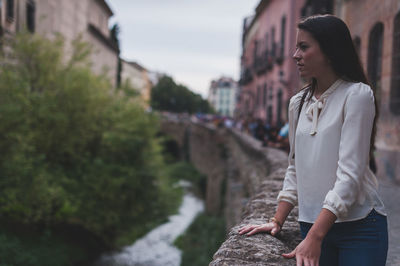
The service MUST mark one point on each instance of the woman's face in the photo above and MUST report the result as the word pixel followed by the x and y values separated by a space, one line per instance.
pixel 311 62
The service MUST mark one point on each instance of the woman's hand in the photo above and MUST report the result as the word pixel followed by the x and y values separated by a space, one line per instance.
pixel 307 252
pixel 252 229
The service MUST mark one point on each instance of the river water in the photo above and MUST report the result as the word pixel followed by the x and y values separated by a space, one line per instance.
pixel 156 248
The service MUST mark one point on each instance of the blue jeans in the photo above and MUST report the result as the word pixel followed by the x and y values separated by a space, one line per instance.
pixel 362 242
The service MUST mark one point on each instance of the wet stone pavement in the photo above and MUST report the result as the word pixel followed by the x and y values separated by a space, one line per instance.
pixel 390 193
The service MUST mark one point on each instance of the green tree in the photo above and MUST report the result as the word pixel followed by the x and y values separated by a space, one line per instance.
pixel 114 35
pixel 169 96
pixel 73 150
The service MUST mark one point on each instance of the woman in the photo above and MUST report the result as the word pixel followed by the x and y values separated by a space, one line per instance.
pixel 331 132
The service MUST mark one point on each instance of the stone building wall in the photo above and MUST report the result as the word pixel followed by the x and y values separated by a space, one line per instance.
pixel 71 19
pixel 104 57
pixel 57 16
pixel 361 17
pixel 8 20
pixel 138 78
pixel 98 14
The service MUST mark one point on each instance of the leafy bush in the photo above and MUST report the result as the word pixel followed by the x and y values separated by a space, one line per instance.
pixel 201 240
pixel 46 251
pixel 185 171
pixel 73 150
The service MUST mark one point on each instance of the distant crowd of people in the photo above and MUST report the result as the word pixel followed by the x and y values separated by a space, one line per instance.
pixel 276 137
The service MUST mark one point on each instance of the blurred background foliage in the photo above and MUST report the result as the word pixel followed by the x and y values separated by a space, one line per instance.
pixel 74 154
pixel 172 97
pixel 201 240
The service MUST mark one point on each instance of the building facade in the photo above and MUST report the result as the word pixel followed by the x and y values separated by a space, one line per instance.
pixel 137 77
pixel 377 39
pixel 85 18
pixel 269 76
pixel 222 96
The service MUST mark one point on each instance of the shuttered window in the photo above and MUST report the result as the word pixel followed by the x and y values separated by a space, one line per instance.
pixel 395 83
pixel 375 46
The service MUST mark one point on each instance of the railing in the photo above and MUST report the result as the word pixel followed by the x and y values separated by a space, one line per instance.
pixel 279 54
pixel 246 77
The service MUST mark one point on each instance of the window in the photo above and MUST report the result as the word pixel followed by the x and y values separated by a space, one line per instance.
pixel 375 57
pixel 395 79
pixel 283 29
pixel 255 51
pixel 30 16
pixel 273 41
pixel 270 93
pixel 317 7
pixel 269 114
pixel 279 109
pixel 265 95
pixel 10 9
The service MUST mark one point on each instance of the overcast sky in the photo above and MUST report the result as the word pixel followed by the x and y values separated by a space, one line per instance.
pixel 193 41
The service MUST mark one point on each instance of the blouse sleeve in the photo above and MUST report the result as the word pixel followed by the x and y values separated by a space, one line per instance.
pixel 359 114
pixel 289 190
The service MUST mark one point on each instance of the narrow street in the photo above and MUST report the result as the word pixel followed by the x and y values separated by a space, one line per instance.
pixel 391 197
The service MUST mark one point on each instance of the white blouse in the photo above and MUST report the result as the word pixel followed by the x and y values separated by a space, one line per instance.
pixel 329 154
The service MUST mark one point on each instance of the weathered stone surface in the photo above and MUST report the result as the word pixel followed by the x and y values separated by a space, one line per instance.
pixel 260 249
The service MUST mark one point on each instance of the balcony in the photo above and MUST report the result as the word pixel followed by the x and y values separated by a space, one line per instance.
pixel 246 77
pixel 279 54
pixel 260 63
pixel 266 61
pixel 270 62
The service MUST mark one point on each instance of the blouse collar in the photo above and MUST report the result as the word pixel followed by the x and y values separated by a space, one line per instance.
pixel 318 104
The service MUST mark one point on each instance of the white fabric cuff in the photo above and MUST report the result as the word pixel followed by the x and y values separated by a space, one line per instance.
pixel 335 204
pixel 288 196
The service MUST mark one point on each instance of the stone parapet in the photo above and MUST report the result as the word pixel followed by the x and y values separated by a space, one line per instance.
pixel 259 249
pixel 243 181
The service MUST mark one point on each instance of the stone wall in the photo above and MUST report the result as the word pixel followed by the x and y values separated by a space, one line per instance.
pixel 243 180
pixel 254 178
pixel 388 125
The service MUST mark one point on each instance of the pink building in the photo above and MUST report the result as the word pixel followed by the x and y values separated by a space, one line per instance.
pixel 269 75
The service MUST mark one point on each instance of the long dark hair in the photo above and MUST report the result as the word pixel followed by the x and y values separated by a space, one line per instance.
pixel 335 42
